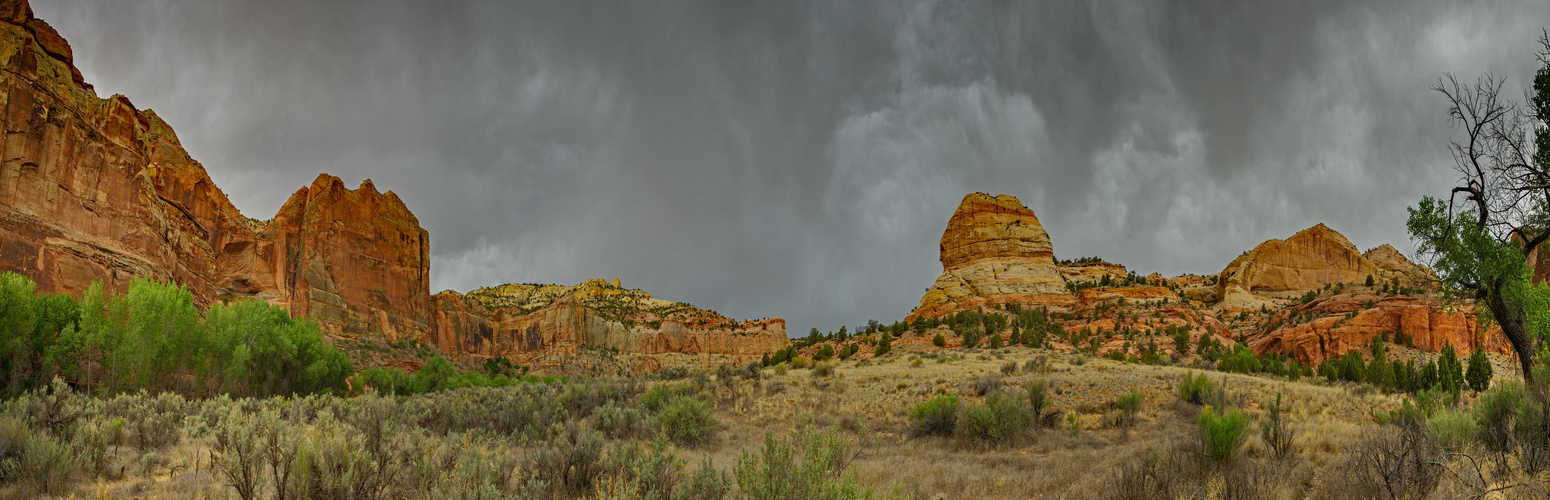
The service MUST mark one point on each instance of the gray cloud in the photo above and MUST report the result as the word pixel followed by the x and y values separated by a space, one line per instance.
pixel 801 159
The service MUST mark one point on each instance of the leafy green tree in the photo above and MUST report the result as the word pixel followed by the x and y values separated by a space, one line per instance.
pixel 17 322
pixel 1479 373
pixel 1478 238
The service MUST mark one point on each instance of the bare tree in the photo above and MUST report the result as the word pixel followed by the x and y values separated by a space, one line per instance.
pixel 1500 211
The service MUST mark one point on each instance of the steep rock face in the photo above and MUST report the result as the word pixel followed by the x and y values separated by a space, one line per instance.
pixel 1344 322
pixel 993 251
pixel 360 261
pixel 1392 264
pixel 95 189
pixel 530 322
pixel 1285 268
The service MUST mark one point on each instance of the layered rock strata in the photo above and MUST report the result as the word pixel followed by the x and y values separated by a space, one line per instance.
pixel 526 323
pixel 1309 259
pixel 993 251
pixel 95 189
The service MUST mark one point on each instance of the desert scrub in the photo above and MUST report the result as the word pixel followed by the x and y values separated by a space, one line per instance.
pixel 1010 368
pixel 687 420
pixel 813 464
pixel 1002 415
pixel 1454 429
pixel 1222 432
pixel 658 397
pixel 823 369
pixel 1129 404
pixel 1276 432
pixel 620 423
pixel 936 417
pixel 984 384
pixel 1195 389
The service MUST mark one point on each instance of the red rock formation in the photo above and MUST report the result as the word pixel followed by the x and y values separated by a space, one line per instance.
pixel 95 189
pixel 1279 269
pixel 498 321
pixel 993 251
pixel 1427 323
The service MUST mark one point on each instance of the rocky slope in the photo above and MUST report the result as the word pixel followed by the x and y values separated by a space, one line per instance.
pixel 1280 269
pixel 995 252
pixel 530 323
pixel 96 189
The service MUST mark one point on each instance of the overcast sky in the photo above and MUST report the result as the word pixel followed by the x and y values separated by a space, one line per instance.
pixel 800 159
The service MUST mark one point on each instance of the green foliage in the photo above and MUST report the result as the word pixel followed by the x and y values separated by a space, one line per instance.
pixel 1479 373
pixel 1468 257
pixel 1002 415
pixel 687 420
pixel 1454 429
pixel 1275 431
pixel 1196 389
pixel 1242 360
pixel 1222 432
pixel 1450 373
pixel 936 417
pixel 883 346
pixel 1128 403
pixel 939 340
pixel 1352 368
pixel 996 342
pixel 812 465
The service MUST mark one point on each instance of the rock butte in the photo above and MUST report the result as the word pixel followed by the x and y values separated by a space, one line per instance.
pixel 96 189
pixel 994 252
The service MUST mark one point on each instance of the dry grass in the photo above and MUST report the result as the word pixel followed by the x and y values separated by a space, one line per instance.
pixel 879 394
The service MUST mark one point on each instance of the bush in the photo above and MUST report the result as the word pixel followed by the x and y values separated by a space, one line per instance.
pixel 1001 416
pixel 883 346
pixel 688 421
pixel 705 483
pixel 1010 368
pixel 823 369
pixel 570 463
pixel 1454 429
pixel 939 340
pixel 1221 433
pixel 1128 403
pixel 659 396
pixel 984 384
pixel 936 417
pixel 798 362
pixel 1038 401
pixel 1275 431
pixel 777 472
pixel 619 423
pixel 1195 389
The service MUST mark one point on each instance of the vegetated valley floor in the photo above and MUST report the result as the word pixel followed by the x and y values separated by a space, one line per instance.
pixel 1057 461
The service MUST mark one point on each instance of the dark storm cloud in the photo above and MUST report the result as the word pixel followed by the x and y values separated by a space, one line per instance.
pixel 801 159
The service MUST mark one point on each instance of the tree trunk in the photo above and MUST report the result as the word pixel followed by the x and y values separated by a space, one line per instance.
pixel 1515 326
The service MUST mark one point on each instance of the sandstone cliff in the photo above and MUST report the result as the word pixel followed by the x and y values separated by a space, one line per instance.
pixel 527 323
pixel 96 189
pixel 1285 268
pixel 1332 325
